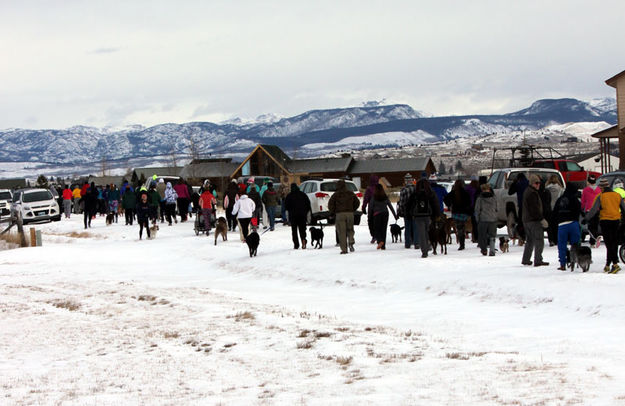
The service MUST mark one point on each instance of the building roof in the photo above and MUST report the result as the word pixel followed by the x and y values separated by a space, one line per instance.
pixel 612 81
pixel 159 171
pixel 611 132
pixel 411 165
pixel 214 169
pixel 320 165
pixel 106 180
pixel 277 154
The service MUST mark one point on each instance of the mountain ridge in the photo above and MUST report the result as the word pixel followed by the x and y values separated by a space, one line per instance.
pixel 80 144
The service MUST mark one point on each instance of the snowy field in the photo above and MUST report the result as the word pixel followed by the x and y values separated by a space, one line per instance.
pixel 103 318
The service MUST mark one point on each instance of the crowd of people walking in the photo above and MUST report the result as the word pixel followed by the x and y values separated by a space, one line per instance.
pixel 473 207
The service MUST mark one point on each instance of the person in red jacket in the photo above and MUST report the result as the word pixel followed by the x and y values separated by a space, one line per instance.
pixel 207 203
pixel 67 201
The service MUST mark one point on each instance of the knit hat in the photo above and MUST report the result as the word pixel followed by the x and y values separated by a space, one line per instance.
pixel 250 180
pixel 592 179
pixel 618 184
pixel 604 182
pixel 408 178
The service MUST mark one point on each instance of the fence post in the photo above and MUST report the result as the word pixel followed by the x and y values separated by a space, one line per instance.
pixel 33 237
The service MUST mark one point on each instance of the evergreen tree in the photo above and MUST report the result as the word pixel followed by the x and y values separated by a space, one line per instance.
pixel 458 166
pixel 441 168
pixel 42 182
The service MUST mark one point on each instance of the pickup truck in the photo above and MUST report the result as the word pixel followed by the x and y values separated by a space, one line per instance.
pixel 500 181
pixel 570 170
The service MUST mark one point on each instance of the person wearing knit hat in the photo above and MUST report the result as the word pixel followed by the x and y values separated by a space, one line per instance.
pixel 533 219
pixel 410 225
pixel 589 195
pixel 610 206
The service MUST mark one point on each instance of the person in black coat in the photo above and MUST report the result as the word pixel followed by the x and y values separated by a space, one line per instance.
pixel 566 212
pixel 297 205
pixel 90 202
pixel 145 211
pixel 459 202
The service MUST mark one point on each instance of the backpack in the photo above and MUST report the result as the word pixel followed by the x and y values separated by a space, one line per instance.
pixel 420 205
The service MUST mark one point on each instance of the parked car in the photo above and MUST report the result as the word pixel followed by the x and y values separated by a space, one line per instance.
pixel 6 197
pixel 500 181
pixel 612 177
pixel 319 192
pixel 35 205
pixel 570 170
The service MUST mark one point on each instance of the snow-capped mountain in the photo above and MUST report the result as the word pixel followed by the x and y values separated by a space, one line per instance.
pixel 310 133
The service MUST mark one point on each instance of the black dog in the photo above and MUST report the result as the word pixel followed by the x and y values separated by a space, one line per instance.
pixel 316 237
pixel 109 218
pixel 580 255
pixel 252 240
pixel 396 232
pixel 438 234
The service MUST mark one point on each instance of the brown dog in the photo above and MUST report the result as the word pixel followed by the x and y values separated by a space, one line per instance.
pixel 221 227
pixel 504 244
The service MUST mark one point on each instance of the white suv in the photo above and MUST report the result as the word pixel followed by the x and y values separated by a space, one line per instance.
pixel 319 193
pixel 35 205
pixel 5 202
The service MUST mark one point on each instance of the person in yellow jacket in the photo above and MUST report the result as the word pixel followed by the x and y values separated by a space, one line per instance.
pixel 610 206
pixel 618 188
pixel 76 198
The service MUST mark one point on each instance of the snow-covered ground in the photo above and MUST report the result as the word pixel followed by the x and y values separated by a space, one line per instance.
pixel 99 317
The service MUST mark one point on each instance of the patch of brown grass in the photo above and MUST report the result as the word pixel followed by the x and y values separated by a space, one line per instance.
pixel 171 334
pixel 305 345
pixel 322 334
pixel 66 304
pixel 12 239
pixel 146 298
pixel 343 360
pixel 246 315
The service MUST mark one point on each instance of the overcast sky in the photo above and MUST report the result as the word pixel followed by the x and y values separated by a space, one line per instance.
pixel 114 63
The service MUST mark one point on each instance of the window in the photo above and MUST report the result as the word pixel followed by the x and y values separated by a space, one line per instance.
pixel 493 180
pixel 37 196
pixel 544 164
pixel 573 167
pixel 5 196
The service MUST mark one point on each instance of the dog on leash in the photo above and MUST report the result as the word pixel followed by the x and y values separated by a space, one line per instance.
pixel 316 237
pixel 396 232
pixel 153 231
pixel 221 228
pixel 110 217
pixel 252 240
pixel 580 255
pixel 504 244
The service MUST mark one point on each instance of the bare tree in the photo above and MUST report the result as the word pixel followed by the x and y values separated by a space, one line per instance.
pixel 194 147
pixel 104 165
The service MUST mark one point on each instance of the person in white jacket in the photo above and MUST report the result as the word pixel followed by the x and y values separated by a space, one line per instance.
pixel 244 210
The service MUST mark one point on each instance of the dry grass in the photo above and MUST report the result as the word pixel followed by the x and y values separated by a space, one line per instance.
pixel 344 360
pixel 171 334
pixel 146 298
pixel 322 334
pixel 244 316
pixel 13 239
pixel 305 345
pixel 66 304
